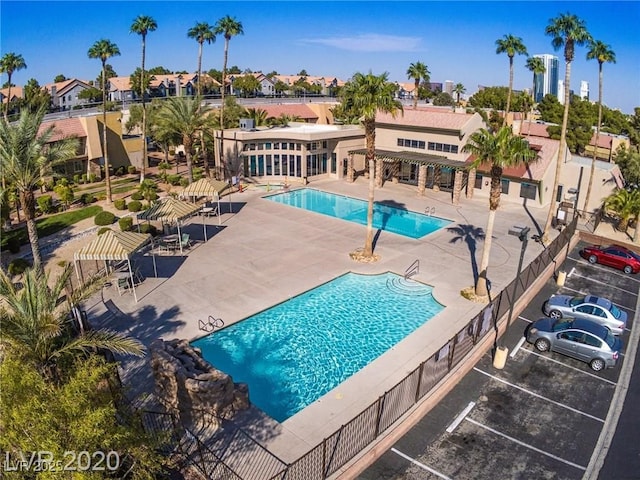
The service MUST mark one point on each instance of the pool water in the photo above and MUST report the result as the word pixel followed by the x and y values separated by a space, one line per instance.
pixel 295 352
pixel 387 217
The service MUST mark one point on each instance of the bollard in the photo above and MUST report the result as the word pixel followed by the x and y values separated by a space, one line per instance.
pixel 562 276
pixel 500 358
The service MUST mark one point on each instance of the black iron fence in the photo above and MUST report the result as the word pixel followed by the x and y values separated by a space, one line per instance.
pixel 232 455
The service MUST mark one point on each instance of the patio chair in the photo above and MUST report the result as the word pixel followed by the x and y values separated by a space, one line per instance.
pixel 185 241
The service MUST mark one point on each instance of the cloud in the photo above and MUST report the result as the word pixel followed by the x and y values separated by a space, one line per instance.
pixel 369 42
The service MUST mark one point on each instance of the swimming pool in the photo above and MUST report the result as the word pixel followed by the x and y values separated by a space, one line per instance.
pixel 295 352
pixel 387 217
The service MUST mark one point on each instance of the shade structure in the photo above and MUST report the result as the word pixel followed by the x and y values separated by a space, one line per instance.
pixel 170 210
pixel 114 246
pixel 205 187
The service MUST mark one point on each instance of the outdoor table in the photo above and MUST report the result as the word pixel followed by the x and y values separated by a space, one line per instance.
pixel 172 242
pixel 207 210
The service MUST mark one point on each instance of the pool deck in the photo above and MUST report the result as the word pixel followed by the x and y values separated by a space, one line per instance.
pixel 265 252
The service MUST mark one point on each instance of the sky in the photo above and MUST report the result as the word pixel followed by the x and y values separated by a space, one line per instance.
pixel 455 39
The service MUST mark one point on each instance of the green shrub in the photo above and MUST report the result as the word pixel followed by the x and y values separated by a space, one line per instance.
pixel 120 204
pixel 119 171
pixel 132 170
pixel 13 244
pixel 148 228
pixel 18 266
pixel 134 206
pixel 174 179
pixel 136 196
pixel 103 230
pixel 125 223
pixel 84 178
pixel 92 178
pixel 197 173
pixel 87 198
pixel 184 182
pixel 76 179
pixel 45 203
pixel 104 218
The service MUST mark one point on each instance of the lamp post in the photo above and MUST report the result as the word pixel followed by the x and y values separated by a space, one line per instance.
pixel 522 233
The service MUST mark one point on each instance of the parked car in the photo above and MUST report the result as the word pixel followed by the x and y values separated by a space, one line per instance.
pixel 580 339
pixel 589 307
pixel 614 256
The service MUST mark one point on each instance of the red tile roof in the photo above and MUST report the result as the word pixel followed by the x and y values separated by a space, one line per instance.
pixel 64 128
pixel 296 110
pixel 533 129
pixel 426 117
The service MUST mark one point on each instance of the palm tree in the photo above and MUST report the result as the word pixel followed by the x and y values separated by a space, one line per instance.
pixel 228 27
pixel 458 90
pixel 626 205
pixel 201 32
pixel 26 155
pixel 142 25
pixel 9 63
pixel 567 30
pixel 36 325
pixel 187 118
pixel 104 49
pixel 504 149
pixel 258 115
pixel 536 66
pixel 601 52
pixel 417 71
pixel 510 45
pixel 368 94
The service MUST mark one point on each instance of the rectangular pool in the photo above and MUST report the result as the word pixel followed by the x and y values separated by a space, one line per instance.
pixel 392 218
pixel 295 352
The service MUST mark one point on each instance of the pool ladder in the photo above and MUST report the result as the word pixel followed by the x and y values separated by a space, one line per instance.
pixel 412 270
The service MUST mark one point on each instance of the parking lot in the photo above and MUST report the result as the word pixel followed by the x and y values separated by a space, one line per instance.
pixel 541 417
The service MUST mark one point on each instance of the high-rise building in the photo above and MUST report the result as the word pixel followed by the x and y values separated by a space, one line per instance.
pixel 584 90
pixel 547 82
pixel 448 86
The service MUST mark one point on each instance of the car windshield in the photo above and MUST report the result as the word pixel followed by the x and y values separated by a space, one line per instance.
pixel 576 301
pixel 615 311
pixel 561 325
pixel 610 339
pixel 635 255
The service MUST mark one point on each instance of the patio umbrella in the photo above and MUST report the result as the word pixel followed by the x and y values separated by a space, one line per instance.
pixel 169 210
pixel 206 187
pixel 115 246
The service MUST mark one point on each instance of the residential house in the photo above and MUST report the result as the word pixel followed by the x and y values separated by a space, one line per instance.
pixel 16 94
pixel 64 95
pixel 406 90
pixel 120 90
pixel 608 143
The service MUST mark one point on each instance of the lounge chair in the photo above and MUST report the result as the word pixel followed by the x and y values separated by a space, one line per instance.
pixel 185 242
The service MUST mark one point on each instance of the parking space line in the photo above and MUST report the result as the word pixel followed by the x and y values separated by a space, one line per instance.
pixel 460 417
pixel 573 269
pixel 520 317
pixel 537 395
pixel 548 358
pixel 421 465
pixel 591 279
pixel 526 445
pixel 517 347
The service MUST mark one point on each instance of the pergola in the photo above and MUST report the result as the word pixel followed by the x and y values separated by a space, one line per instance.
pixel 114 246
pixel 170 210
pixel 206 187
pixel 423 160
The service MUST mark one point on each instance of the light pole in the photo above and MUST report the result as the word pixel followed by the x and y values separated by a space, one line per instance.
pixel 522 233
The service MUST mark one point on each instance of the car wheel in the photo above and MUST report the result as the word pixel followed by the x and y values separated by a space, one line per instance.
pixel 627 269
pixel 555 314
pixel 597 364
pixel 593 259
pixel 542 344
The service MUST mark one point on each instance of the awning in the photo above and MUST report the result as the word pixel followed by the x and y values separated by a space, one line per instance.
pixel 113 246
pixel 414 158
pixel 169 210
pixel 205 187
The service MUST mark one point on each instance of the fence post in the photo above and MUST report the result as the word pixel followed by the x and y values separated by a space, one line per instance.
pixel 420 371
pixel 379 414
pixel 452 349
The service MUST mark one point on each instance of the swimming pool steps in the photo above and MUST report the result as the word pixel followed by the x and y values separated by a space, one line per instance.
pixel 406 286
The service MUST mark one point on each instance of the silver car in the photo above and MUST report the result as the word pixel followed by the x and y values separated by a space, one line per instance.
pixel 588 307
pixel 580 339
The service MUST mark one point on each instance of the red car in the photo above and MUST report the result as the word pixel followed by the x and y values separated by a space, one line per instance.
pixel 614 256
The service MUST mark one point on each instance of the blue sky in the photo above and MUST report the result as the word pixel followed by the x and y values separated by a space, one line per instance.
pixel 456 40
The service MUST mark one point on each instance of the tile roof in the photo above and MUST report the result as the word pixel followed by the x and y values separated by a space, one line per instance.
pixel 120 83
pixel 293 109
pixel 427 118
pixel 64 128
pixel 604 140
pixel 16 92
pixel 534 129
pixel 61 87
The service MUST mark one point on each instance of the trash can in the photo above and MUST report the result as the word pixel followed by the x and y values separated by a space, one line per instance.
pixel 500 358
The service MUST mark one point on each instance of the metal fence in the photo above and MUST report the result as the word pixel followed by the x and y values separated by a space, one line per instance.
pixel 224 456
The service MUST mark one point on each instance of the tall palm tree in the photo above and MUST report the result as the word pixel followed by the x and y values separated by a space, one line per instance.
pixel 258 115
pixel 201 32
pixel 9 63
pixel 104 49
pixel 187 118
pixel 36 324
pixel 142 25
pixel 458 90
pixel 510 45
pixel 368 94
pixel 601 52
pixel 26 155
pixel 626 204
pixel 536 66
pixel 567 30
pixel 418 72
pixel 228 27
pixel 504 149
